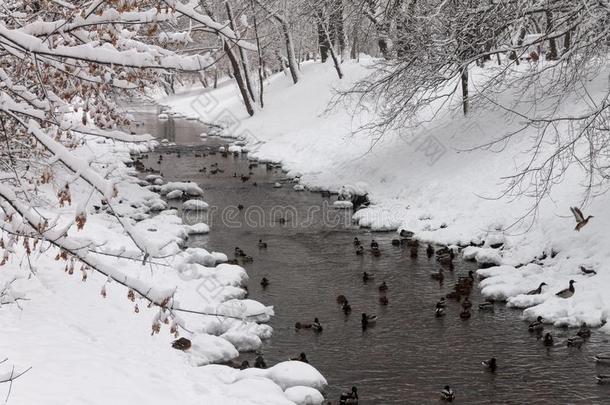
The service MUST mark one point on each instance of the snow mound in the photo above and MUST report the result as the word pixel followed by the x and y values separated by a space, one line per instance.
pixel 188 188
pixel 207 349
pixel 195 205
pixel 343 205
pixel 304 395
pixel 174 195
pixel 198 229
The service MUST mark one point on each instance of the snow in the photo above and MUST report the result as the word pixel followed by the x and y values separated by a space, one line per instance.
pixel 188 188
pixel 448 198
pixel 304 395
pixel 195 205
pixel 198 229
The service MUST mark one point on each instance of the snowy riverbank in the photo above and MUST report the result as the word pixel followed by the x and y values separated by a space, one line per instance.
pixel 424 180
pixel 88 339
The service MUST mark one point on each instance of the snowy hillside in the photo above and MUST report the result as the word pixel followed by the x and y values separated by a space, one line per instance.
pixel 429 180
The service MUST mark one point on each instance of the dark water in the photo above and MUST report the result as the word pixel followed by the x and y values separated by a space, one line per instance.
pixel 409 355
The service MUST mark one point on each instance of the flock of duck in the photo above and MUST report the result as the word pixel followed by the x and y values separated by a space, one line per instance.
pixel 445 257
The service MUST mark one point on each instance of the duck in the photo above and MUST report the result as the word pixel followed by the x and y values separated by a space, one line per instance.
pixel 244 365
pixel 413 252
pixel 466 304
pixel 395 242
pixel 360 250
pixel 581 221
pixel 490 364
pixel 447 394
pixel 376 252
pixel 465 314
pixel 383 287
pixel 261 244
pixel 429 251
pixel 356 242
pixel 442 303
pixel 239 252
pixel 282 221
pixel 446 259
pixel 346 307
pixel 486 306
pixel 383 300
pixel 368 320
pixel 316 325
pixel 240 207
pixel 374 244
pixel 264 282
pixel 181 344
pixel 349 398
pixel 341 299
pixel 437 276
pixel 568 292
pixel 259 362
pixel 602 378
pixel 248 259
pixel 367 276
pixel 537 290
pixel 548 339
pixel 587 271
pixel 584 331
pixel 301 357
pixel 575 341
pixel 537 325
pixel 438 312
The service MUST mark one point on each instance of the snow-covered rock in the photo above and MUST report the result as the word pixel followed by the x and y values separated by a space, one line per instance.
pixel 195 205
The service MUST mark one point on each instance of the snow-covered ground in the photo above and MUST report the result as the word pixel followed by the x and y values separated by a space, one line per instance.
pixel 424 180
pixel 92 341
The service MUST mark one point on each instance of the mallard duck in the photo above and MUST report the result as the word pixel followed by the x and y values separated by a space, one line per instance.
pixel 441 303
pixel 466 304
pixel 376 252
pixel 316 325
pixel 575 341
pixel 447 394
pixel 438 312
pixel 580 218
pixel 438 276
pixel 360 250
pixel 587 271
pixel 244 365
pixel 383 300
pixel 548 339
pixel 239 252
pixel 247 259
pixel 465 314
pixel 346 308
pixel 536 326
pixel 349 398
pixel 395 242
pixel 429 251
pixel 259 362
pixel 356 242
pixel 261 244
pixel 490 364
pixel 368 320
pixel 341 299
pixel 568 292
pixel 264 282
pixel 602 378
pixel 374 244
pixel 301 357
pixel 181 344
pixel 537 290
pixel 383 287
pixel 584 331
pixel 367 276
pixel 486 306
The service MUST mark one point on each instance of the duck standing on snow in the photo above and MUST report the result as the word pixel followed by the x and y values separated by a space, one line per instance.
pixel 587 271
pixel 447 394
pixel 181 344
pixel 568 292
pixel 580 218
pixel 537 325
pixel 537 290
pixel 490 364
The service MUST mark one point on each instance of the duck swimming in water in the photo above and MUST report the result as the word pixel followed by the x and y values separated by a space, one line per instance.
pixel 575 341
pixel 368 320
pixel 584 331
pixel 376 252
pixel 316 325
pixel 447 394
pixel 395 242
pixel 360 250
pixel 349 398
pixel 568 292
pixel 341 299
pixel 429 251
pixel 383 287
pixel 537 290
pixel 486 306
pixel 548 339
pixel 366 276
pixel 264 282
pixel 356 242
pixel 301 357
pixel 490 364
pixel 259 362
pixel 261 244
pixel 374 244
pixel 346 307
pixel 537 325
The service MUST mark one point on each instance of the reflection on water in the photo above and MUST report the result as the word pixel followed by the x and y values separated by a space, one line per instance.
pixel 409 355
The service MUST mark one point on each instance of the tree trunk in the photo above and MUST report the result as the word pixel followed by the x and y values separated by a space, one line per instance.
pixel 333 54
pixel 552 53
pixel 242 53
pixel 567 42
pixel 261 78
pixel 292 63
pixel 465 89
pixel 239 78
